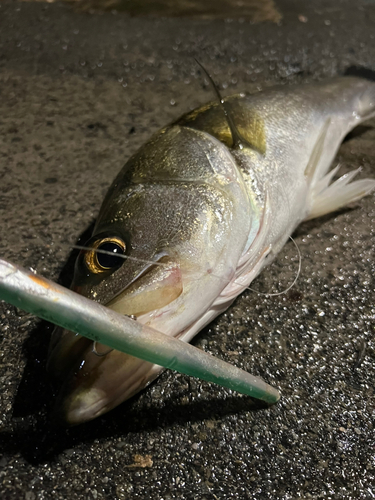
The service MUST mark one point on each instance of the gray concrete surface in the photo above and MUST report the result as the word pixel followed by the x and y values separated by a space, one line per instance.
pixel 79 93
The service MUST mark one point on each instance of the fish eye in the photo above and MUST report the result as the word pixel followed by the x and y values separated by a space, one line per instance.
pixel 106 254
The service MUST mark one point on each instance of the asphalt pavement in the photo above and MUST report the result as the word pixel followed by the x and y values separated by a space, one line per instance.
pixel 79 93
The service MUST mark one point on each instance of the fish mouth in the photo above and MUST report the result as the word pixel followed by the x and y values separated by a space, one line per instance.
pixel 95 378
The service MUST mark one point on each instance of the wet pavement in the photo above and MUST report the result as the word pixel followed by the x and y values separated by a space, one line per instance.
pixel 79 93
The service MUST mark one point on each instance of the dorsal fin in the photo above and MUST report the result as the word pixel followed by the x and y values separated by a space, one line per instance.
pixel 238 141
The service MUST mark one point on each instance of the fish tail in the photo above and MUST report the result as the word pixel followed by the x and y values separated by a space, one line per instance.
pixel 325 196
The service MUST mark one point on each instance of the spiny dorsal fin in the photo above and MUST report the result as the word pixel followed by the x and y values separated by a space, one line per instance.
pixel 238 141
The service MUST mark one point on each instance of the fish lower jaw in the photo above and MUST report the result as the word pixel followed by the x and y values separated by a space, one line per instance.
pixel 86 403
pixel 82 409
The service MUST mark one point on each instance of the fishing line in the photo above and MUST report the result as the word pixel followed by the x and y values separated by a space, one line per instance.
pixel 267 294
pixel 294 281
pixel 161 264
pixel 124 257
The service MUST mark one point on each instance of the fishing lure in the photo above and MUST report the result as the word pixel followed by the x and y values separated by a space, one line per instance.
pixel 63 307
pixel 196 214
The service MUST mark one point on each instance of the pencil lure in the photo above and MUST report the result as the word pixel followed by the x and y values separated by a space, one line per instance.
pixel 64 307
pixel 198 212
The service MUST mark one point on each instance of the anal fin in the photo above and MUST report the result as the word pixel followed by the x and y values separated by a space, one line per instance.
pixel 327 197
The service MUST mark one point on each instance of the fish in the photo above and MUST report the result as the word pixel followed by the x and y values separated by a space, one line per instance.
pixel 196 214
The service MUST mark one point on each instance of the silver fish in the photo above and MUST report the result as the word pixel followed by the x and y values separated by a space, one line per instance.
pixel 199 211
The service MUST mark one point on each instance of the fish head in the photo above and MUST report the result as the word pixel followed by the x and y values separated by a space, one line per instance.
pixel 166 243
